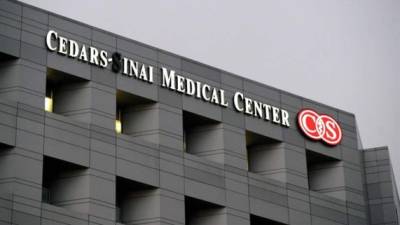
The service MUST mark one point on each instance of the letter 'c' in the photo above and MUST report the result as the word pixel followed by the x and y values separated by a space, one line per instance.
pixel 48 39
pixel 236 101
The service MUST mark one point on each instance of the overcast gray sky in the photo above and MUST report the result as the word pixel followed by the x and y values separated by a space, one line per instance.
pixel 344 53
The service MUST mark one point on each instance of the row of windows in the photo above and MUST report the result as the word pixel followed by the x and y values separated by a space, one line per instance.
pixel 265 156
pixel 62 186
pixel 48 106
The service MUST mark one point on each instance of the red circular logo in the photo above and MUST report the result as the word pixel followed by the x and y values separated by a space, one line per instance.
pixel 319 127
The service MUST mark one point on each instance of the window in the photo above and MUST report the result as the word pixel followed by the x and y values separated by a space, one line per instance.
pixel 325 175
pixel 265 156
pixel 62 182
pixel 65 93
pixel 199 212
pixel 130 117
pixel 135 201
pixel 203 137
pixel 257 220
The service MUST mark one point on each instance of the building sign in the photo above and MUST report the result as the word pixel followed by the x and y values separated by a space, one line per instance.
pixel 169 79
pixel 319 127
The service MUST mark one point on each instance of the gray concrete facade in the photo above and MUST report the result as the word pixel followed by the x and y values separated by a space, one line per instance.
pixel 179 160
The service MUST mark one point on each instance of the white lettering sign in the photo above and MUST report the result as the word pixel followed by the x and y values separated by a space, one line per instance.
pixel 169 79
